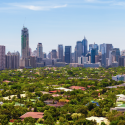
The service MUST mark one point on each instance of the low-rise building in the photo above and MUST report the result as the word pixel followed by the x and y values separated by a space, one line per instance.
pixel 92 65
pixel 99 120
pixel 35 115
pixel 118 78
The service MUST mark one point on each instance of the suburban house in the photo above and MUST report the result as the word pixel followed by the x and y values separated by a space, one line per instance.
pixel 35 115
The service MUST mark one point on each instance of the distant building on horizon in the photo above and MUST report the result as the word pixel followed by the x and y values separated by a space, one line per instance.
pixel 93 46
pixel 93 54
pixel 105 49
pixel 44 55
pixel 25 43
pixel 60 52
pixel 53 54
pixel 12 60
pixel 68 52
pixel 85 46
pixel 2 57
pixel 39 50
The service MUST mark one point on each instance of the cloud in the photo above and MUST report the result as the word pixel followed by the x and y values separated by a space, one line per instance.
pixel 119 3
pixel 36 8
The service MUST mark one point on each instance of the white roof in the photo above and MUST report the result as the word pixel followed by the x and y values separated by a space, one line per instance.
pixel 65 89
pixel 121 95
pixel 98 119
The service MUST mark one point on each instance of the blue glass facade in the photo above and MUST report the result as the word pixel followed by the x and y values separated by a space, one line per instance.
pixel 68 54
pixel 85 46
pixel 93 53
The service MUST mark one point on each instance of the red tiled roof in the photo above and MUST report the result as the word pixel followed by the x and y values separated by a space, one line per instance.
pixel 55 95
pixel 54 91
pixel 33 115
pixel 77 87
pixel 59 104
pixel 6 81
pixel 90 86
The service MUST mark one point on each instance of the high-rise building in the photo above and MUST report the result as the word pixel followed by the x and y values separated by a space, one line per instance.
pixel 85 46
pixel 44 55
pixel 53 54
pixel 123 53
pixel 82 60
pixel 39 50
pixel 105 49
pixel 121 61
pixel 78 50
pixel 12 60
pixel 30 51
pixel 49 55
pixel 97 58
pixel 114 55
pixel 2 57
pixel 68 57
pixel 60 52
pixel 93 46
pixel 75 54
pixel 93 53
pixel 109 47
pixel 25 43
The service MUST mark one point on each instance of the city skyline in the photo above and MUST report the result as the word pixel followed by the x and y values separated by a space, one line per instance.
pixel 62 22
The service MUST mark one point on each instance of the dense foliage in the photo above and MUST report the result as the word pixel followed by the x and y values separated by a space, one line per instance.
pixel 32 81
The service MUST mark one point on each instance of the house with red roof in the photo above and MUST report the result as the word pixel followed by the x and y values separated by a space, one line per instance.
pixel 35 115
pixel 78 87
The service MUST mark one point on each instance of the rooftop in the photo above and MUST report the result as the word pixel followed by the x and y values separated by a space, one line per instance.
pixel 33 115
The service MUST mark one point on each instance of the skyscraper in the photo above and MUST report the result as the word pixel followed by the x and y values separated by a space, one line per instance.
pixel 2 57
pixel 12 60
pixel 93 53
pixel 39 50
pixel 105 49
pixel 121 61
pixel 53 54
pixel 60 52
pixel 93 46
pixel 68 57
pixel 79 50
pixel 85 46
pixel 114 55
pixel 25 43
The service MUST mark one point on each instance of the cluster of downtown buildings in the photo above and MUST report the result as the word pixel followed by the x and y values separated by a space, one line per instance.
pixel 104 55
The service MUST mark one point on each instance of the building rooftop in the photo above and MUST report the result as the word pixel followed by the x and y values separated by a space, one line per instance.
pixel 77 87
pixel 99 120
pixel 33 115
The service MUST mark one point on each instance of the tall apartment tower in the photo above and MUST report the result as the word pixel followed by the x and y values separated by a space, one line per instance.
pixel 68 57
pixel 105 49
pixel 53 54
pixel 85 46
pixel 79 50
pixel 93 53
pixel 60 52
pixel 25 43
pixel 39 50
pixel 114 55
pixel 2 57
pixel 12 60
pixel 121 61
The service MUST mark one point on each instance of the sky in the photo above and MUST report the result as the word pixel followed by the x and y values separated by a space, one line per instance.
pixel 53 22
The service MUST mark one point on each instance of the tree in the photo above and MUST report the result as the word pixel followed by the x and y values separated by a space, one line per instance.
pixel 82 109
pixel 29 120
pixel 103 123
pixel 4 119
pixel 49 120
